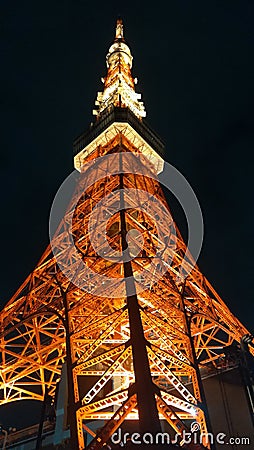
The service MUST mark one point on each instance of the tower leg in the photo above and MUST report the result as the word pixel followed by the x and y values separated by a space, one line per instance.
pixel 61 408
pixel 204 416
pixel 42 418
pixel 72 410
pixel 145 389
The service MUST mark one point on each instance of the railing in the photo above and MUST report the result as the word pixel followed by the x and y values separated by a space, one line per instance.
pixel 115 114
pixel 26 435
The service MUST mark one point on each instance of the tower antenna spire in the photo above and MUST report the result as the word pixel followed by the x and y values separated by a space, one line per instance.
pixel 119 29
pixel 119 84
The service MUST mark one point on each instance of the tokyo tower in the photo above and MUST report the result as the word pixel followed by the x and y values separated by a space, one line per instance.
pixel 116 301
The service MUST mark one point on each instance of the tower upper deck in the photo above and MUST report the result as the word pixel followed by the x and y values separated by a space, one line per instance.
pixel 119 110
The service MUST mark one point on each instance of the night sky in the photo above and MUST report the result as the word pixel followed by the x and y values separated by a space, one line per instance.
pixel 194 63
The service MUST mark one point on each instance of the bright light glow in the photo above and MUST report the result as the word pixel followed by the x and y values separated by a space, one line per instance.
pixel 119 83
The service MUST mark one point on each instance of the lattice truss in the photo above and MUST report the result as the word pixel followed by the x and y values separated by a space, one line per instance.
pixel 32 340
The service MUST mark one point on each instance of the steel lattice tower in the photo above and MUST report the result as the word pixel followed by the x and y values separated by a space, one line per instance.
pixel 138 352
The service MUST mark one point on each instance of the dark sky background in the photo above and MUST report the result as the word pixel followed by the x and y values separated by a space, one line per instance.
pixel 194 63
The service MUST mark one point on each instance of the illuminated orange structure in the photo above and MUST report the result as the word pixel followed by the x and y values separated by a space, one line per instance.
pixel 124 351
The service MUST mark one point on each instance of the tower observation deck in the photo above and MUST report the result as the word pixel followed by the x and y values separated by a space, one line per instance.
pixel 114 309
